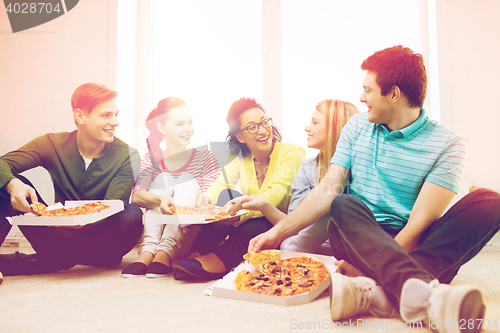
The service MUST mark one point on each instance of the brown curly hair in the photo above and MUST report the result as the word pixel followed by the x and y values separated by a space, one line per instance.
pixel 233 120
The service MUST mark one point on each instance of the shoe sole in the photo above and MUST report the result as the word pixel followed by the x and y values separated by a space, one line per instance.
pixel 336 296
pixel 128 276
pixel 155 276
pixel 471 308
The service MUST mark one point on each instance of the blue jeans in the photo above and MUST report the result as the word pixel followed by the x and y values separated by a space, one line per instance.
pixel 103 243
pixel 450 242
pixel 309 239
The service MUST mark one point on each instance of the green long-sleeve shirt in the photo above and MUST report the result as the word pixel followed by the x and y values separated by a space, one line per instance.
pixel 109 177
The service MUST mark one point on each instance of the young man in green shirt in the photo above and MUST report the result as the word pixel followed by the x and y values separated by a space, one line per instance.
pixel 86 164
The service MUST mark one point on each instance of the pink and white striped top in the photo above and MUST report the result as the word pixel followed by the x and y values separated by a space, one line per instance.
pixel 202 165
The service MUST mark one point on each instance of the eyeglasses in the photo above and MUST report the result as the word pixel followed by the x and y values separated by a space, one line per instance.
pixel 254 128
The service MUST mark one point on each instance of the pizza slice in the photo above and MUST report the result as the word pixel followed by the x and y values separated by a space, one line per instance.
pixel 215 213
pixel 186 210
pixel 181 210
pixel 171 210
pixel 88 208
pixel 305 270
pixel 210 212
pixel 266 261
pixel 261 284
pixel 38 209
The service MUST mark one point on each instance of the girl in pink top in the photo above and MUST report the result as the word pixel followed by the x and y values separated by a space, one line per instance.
pixel 174 174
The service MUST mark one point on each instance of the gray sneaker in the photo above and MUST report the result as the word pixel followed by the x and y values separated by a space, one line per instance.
pixel 351 297
pixel 447 308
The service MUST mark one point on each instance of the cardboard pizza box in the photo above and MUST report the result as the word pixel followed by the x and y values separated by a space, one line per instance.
pixel 225 286
pixel 116 206
pixel 154 216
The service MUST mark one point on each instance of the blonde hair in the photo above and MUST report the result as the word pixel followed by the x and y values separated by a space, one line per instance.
pixel 336 113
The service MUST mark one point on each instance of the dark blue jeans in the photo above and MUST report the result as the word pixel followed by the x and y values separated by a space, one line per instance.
pixel 450 242
pixel 103 243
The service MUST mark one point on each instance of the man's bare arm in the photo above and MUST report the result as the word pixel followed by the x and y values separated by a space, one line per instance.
pixel 431 203
pixel 314 206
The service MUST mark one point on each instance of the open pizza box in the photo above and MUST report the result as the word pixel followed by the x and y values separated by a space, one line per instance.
pixel 225 286
pixel 116 206
pixel 154 216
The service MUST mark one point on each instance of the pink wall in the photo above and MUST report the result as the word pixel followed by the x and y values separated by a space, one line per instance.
pixel 41 67
pixel 469 47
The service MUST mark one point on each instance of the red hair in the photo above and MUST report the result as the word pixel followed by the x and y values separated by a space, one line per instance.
pixel 399 66
pixel 87 96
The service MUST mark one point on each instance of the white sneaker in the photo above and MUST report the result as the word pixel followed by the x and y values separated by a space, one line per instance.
pixel 1 278
pixel 447 308
pixel 350 297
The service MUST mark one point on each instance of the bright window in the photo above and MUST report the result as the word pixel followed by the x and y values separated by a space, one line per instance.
pixel 209 54
pixel 323 45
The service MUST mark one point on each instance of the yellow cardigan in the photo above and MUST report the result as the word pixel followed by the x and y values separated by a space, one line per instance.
pixel 285 161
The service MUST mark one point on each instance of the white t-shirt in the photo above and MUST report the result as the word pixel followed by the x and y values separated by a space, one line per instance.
pixel 87 162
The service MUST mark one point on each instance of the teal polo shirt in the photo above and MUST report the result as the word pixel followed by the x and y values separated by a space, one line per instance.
pixel 388 169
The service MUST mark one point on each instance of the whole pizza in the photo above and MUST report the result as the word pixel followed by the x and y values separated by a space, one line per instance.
pixel 40 209
pixel 281 277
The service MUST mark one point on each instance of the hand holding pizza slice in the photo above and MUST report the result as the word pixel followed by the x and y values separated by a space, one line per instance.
pixel 166 203
pixel 265 261
pixel 38 209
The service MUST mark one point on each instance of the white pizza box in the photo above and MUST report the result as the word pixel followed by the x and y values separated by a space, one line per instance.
pixel 225 286
pixel 154 216
pixel 116 206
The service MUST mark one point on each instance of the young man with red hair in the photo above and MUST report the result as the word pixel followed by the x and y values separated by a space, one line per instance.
pixel 396 246
pixel 86 164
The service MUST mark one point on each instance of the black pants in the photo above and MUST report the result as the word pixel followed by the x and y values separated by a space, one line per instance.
pixel 102 243
pixel 449 243
pixel 212 237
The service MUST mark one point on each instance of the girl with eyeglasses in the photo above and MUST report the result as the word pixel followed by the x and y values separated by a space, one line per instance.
pixel 170 174
pixel 264 167
pixel 323 132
